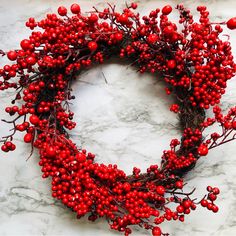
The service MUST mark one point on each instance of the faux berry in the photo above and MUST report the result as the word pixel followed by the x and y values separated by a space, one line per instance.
pixel 34 120
pixel 62 11
pixel 166 10
pixel 202 150
pixel 118 36
pixel 156 231
pixel 171 64
pixel 25 44
pixel 12 55
pixel 75 8
pixel 92 46
pixel 179 184
pixel 152 38
pixel 50 151
pixel 160 190
pixel 80 157
pixel 28 138
pixel 231 23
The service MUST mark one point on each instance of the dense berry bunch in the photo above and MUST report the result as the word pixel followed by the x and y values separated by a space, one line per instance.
pixel 191 58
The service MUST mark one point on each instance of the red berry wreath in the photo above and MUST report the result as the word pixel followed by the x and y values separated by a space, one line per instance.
pixel 191 58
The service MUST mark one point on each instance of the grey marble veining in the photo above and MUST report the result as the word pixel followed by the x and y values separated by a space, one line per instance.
pixel 123 118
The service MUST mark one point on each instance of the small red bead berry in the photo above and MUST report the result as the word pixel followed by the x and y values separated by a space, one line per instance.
pixel 12 55
pixel 31 60
pixel 34 119
pixel 215 208
pixel 227 125
pixel 92 46
pixel 93 18
pixel 187 203
pixel 216 191
pixel 179 184
pixel 50 151
pixel 25 44
pixel 156 231
pixel 4 148
pixel 202 150
pixel 171 64
pixel 118 36
pixel 123 19
pixel 28 138
pixel 13 147
pixel 234 124
pixel 80 157
pixel 75 8
pixel 166 10
pixel 209 188
pixel 231 23
pixel 134 5
pixel 152 38
pixel 160 190
pixel 62 11
pixel 212 197
pixel 169 30
pixel 126 187
pixel 180 209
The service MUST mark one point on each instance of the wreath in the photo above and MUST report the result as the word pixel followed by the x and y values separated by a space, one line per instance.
pixel 193 60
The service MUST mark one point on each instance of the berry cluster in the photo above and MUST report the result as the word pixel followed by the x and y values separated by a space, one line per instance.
pixel 194 62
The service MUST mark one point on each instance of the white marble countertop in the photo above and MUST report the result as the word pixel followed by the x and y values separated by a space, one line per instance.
pixel 124 121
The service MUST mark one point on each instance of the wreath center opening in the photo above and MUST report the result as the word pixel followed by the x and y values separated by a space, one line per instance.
pixel 122 116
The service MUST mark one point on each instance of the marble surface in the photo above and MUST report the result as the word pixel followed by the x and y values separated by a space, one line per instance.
pixel 125 121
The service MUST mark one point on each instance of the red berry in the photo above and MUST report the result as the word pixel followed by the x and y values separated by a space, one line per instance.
pixel 216 191
pixel 34 119
pixel 80 157
pixel 209 206
pixel 92 46
pixel 152 38
pixel 8 144
pixel 181 218
pixel 179 184
pixel 156 231
pixel 118 36
pixel 171 64
pixel 227 125
pixel 20 127
pixel 123 19
pixel 4 148
pixel 93 18
pixel 234 124
pixel 13 147
pixel 187 203
pixel 169 30
pixel 202 150
pixel 75 8
pixel 126 187
pixel 28 138
pixel 204 202
pixel 212 197
pixel 25 44
pixel 209 189
pixel 62 11
pixel 31 60
pixel 215 208
pixel 231 23
pixel 134 5
pixel 166 10
pixel 12 55
pixel 180 209
pixel 160 190
pixel 50 151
